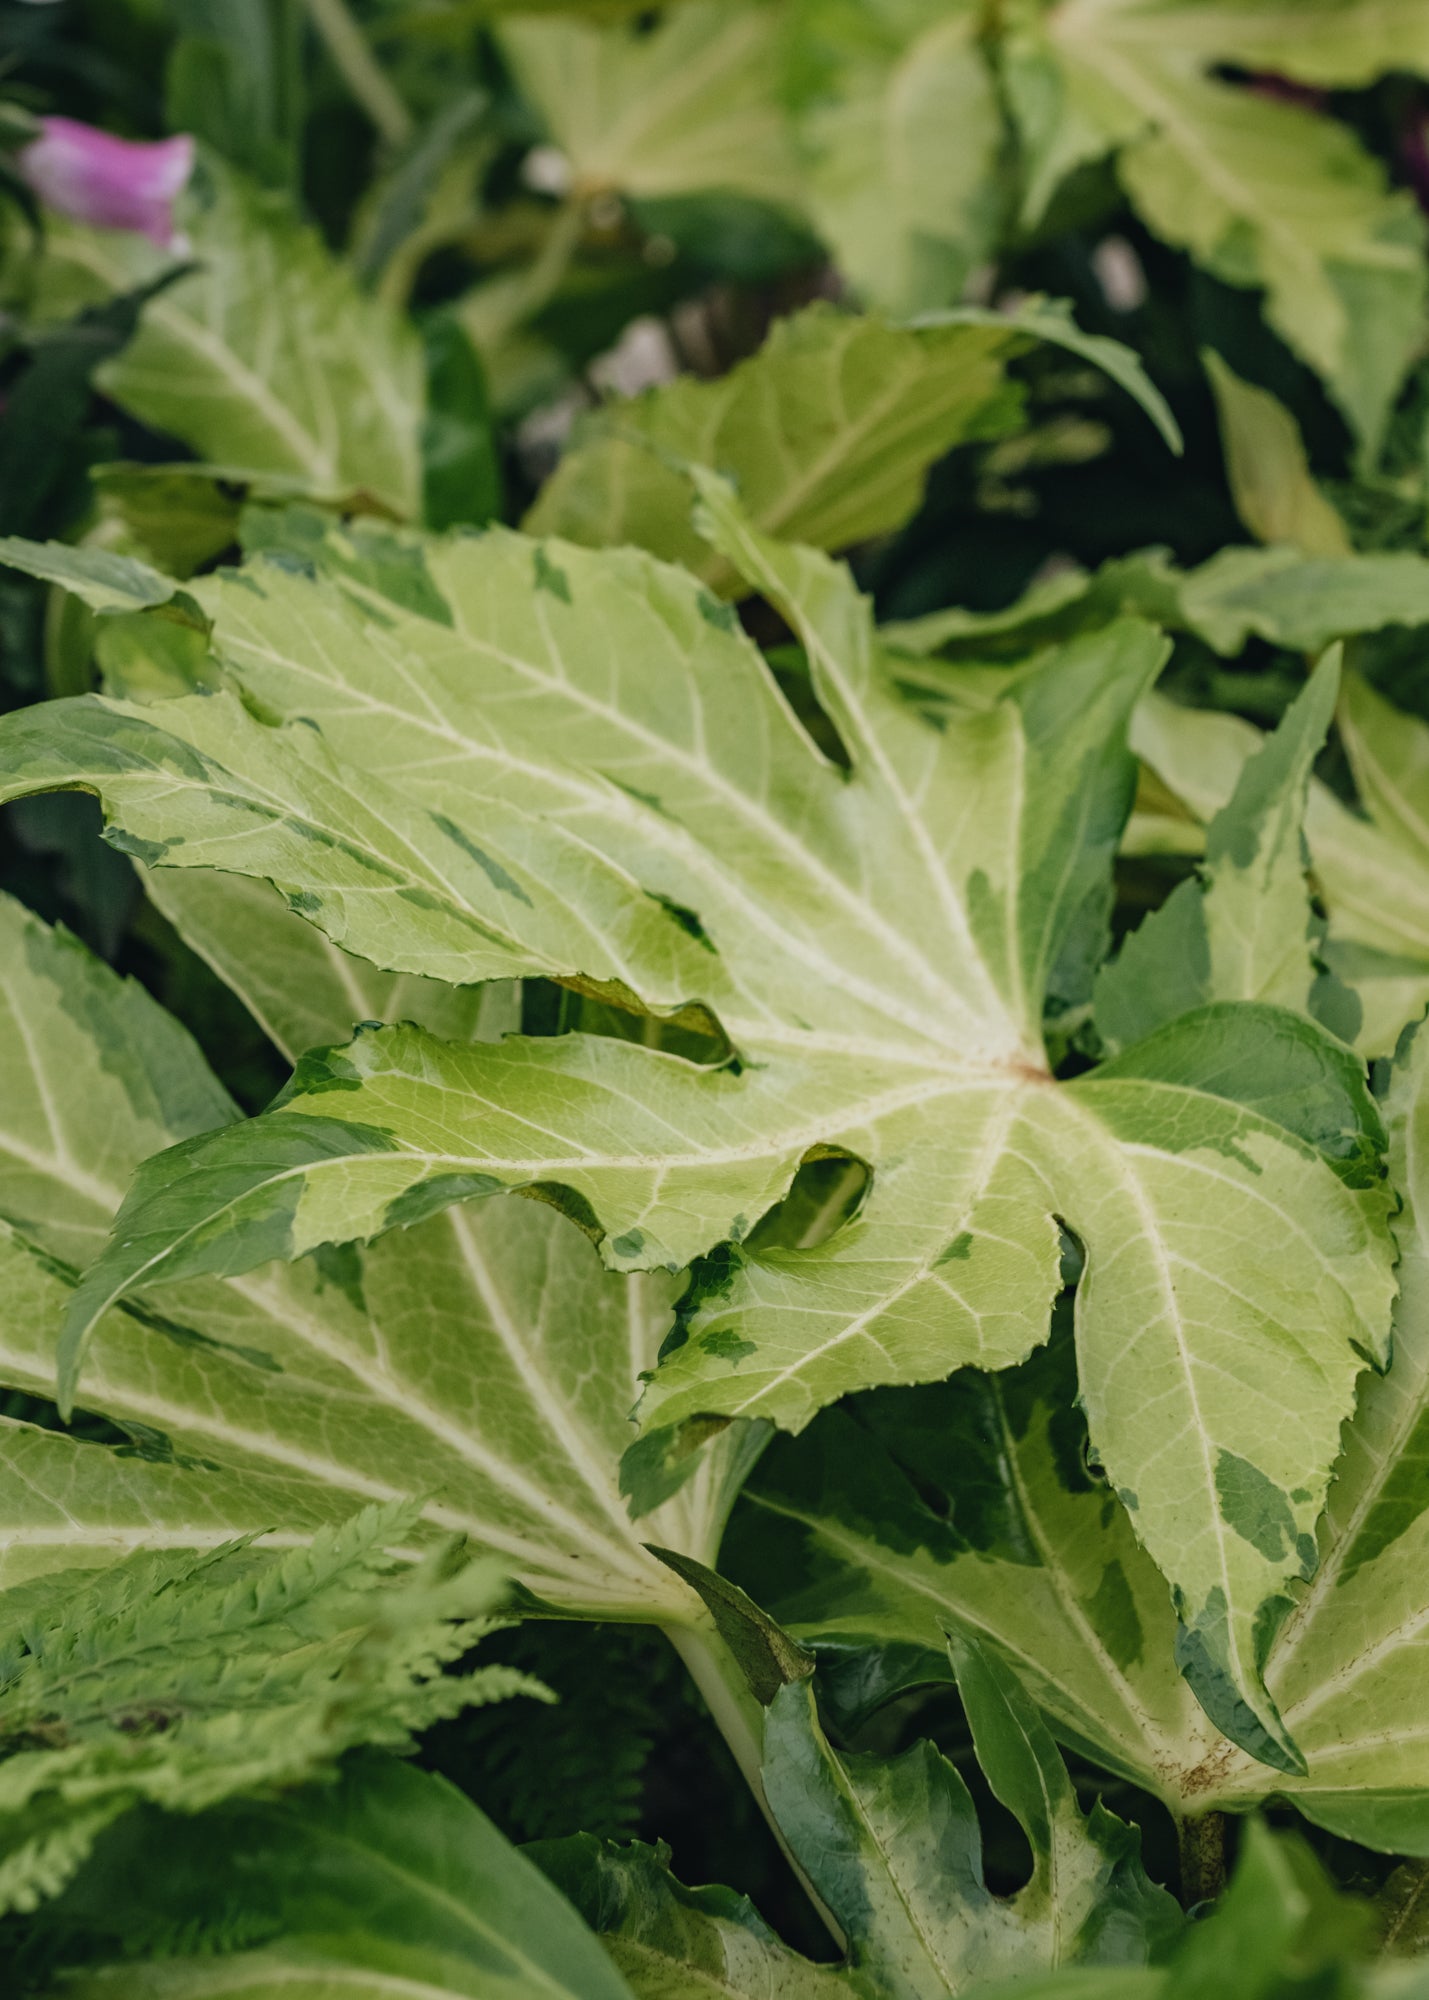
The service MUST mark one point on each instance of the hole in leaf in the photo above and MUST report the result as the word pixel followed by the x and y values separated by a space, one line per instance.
pixel 827 1192
pixel 789 665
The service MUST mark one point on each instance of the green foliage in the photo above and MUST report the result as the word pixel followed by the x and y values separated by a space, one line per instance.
pixel 794 630
pixel 182 1679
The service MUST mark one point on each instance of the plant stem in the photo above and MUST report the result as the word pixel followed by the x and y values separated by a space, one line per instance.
pixel 360 70
pixel 1202 1841
pixel 740 1721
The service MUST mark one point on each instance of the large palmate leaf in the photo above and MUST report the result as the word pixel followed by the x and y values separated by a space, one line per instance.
pixel 896 110
pixel 828 431
pixel 301 989
pixel 878 947
pixel 1260 191
pixel 183 1679
pixel 848 1540
pixel 481 1364
pixel 685 107
pixel 388 1883
pixel 266 358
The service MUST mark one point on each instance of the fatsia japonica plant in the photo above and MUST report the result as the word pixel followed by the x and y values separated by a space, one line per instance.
pixel 714 1243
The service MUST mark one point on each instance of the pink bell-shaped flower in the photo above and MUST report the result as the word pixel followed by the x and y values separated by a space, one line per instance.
pixel 113 183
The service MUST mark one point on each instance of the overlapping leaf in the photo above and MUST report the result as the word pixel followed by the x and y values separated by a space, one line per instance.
pixel 1260 191
pixel 480 1365
pixel 829 431
pixel 894 1849
pixel 299 988
pixel 877 946
pixel 667 1939
pixel 1303 603
pixel 266 358
pixel 896 110
pixel 845 1538
pixel 1371 868
pixel 1247 930
pixel 920 1919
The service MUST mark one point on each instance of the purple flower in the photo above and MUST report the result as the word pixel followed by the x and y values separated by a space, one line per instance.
pixel 113 183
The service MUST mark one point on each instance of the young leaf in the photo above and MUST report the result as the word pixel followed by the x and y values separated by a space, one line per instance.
pixel 266 358
pixel 1270 478
pixel 387 1882
pixel 877 948
pixel 102 580
pixel 480 1363
pixel 828 431
pixel 1261 192
pixel 893 1848
pixel 1246 931
pixel 1370 871
pixel 183 1679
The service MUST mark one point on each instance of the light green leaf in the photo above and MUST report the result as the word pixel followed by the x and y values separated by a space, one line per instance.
pixel 1247 930
pixel 302 990
pixel 179 516
pixel 387 1883
pixel 687 107
pixel 1348 42
pixel 896 110
pixel 184 1678
pixel 102 580
pixel 267 359
pixel 479 1365
pixel 876 946
pixel 674 1943
pixel 1270 479
pixel 828 431
pixel 1262 193
pixel 1368 871
pixel 903 1513
pixel 1389 755
pixel 1302 603
pixel 844 1535
pixel 893 1847
pixel 1349 1662
pixel 1281 1925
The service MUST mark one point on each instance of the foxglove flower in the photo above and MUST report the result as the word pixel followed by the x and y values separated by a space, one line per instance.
pixel 112 183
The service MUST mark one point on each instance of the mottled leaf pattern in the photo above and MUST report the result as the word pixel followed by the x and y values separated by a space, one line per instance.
pixel 877 948
pixel 289 1399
